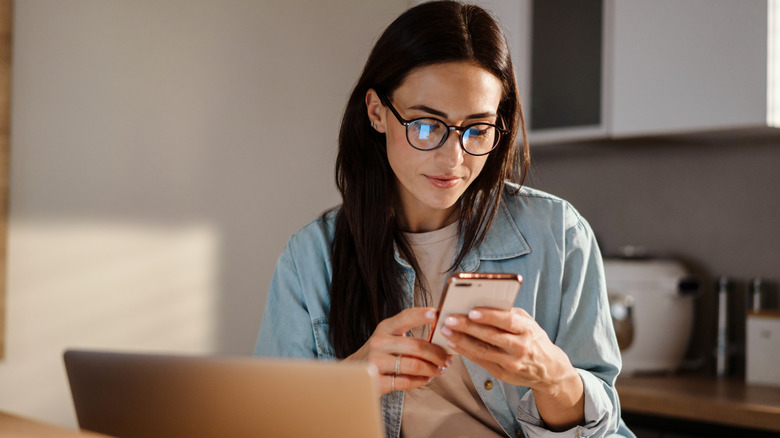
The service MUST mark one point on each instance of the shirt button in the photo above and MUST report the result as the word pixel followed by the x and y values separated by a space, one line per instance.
pixel 519 433
pixel 488 384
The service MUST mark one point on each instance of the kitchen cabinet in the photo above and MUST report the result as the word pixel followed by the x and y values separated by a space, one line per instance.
pixel 687 65
pixel 591 69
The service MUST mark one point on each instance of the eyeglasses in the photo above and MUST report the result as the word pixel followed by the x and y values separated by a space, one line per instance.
pixel 429 133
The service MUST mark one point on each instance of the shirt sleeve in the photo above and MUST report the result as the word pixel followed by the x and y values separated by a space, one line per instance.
pixel 587 336
pixel 286 329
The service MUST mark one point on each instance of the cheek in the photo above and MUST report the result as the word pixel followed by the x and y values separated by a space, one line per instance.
pixel 399 154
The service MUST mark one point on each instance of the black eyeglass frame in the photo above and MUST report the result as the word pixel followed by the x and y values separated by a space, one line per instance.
pixel 406 123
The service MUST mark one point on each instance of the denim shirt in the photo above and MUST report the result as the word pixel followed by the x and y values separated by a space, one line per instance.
pixel 534 234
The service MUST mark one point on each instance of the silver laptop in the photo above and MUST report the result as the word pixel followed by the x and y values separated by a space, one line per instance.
pixel 149 395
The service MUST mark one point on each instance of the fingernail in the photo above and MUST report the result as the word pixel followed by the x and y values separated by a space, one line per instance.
pixel 450 321
pixel 431 314
pixel 442 370
pixel 446 331
pixel 448 363
pixel 475 314
pixel 451 344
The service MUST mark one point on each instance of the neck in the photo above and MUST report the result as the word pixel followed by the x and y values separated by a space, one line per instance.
pixel 422 223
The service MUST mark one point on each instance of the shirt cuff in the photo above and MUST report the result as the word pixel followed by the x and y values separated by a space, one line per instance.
pixel 600 412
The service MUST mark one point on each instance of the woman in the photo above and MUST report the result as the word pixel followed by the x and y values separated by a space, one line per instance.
pixel 430 176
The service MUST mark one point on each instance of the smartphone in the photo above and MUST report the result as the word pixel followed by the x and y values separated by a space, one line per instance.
pixel 465 291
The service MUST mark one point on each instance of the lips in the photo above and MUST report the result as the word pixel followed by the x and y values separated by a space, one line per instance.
pixel 443 181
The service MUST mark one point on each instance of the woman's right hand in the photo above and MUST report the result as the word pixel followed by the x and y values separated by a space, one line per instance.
pixel 404 362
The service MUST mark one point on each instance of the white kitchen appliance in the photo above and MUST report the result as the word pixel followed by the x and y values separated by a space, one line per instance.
pixel 652 308
pixel 763 348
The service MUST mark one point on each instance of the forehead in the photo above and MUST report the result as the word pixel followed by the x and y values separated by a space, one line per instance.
pixel 456 87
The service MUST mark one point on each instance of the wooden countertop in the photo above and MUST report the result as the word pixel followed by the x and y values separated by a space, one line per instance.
pixel 702 398
pixel 12 426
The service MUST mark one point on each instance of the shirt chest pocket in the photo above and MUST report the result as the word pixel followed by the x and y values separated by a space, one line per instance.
pixel 322 340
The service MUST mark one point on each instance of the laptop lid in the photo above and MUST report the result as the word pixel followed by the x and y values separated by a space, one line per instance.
pixel 151 395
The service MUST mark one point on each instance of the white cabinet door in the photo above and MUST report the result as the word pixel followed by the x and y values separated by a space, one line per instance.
pixel 668 66
pixel 685 65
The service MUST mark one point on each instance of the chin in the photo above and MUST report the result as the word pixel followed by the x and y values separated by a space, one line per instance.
pixel 443 203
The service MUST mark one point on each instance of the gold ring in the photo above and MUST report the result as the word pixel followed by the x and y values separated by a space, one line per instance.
pixel 398 364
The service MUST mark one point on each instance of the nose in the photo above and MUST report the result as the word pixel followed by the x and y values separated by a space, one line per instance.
pixel 450 154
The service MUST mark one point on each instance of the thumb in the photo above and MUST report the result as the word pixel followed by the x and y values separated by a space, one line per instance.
pixel 408 319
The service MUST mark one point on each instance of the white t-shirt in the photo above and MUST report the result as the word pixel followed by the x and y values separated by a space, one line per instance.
pixel 449 405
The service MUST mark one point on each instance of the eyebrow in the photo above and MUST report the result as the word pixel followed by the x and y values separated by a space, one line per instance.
pixel 445 116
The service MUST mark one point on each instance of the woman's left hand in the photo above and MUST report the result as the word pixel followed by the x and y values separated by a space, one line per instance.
pixel 513 348
pixel 509 344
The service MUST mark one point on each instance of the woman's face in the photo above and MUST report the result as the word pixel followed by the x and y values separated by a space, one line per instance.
pixel 431 182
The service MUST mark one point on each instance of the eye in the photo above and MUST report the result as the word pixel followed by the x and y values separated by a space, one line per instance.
pixel 426 129
pixel 478 132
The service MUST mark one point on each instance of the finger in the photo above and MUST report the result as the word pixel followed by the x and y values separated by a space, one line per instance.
pixel 475 348
pixel 515 320
pixel 483 343
pixel 408 319
pixel 389 383
pixel 410 350
pixel 483 332
pixel 414 366
pixel 486 334
pixel 499 363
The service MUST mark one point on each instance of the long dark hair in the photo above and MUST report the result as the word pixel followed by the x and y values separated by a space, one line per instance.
pixel 368 284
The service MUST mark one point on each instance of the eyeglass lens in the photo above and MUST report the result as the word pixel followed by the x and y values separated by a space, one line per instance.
pixel 477 139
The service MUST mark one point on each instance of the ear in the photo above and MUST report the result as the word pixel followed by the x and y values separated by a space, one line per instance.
pixel 376 111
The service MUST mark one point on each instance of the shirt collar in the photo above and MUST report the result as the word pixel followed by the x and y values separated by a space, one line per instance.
pixel 502 241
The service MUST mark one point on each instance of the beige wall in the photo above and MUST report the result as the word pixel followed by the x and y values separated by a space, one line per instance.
pixel 162 153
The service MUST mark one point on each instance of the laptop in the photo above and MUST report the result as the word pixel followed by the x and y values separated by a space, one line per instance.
pixel 154 395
